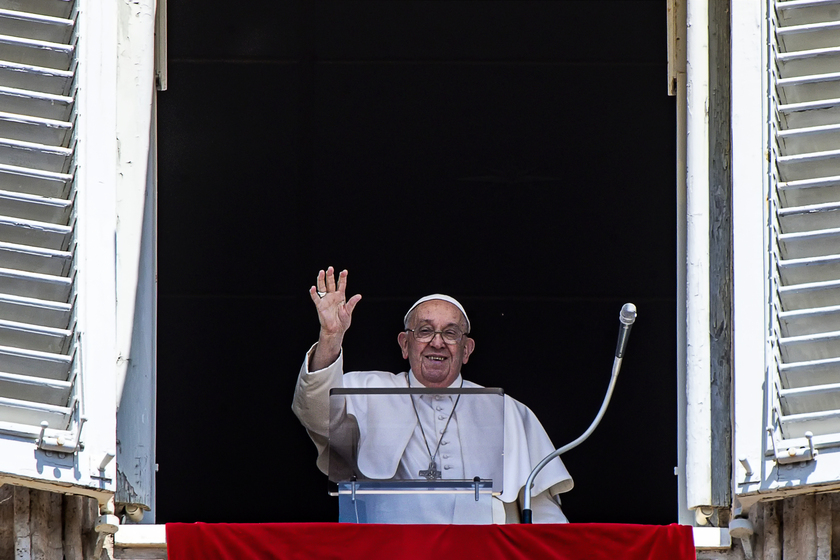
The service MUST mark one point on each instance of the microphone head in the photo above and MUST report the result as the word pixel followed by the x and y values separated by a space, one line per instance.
pixel 628 314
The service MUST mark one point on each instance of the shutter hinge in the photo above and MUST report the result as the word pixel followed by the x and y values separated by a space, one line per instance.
pixel 61 444
pixel 795 453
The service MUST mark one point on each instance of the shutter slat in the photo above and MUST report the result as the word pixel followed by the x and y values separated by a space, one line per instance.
pixel 809 62
pixel 44 234
pixel 35 103
pixel 54 8
pixel 810 321
pixel 35 259
pixel 37 53
pixel 808 191
pixel 793 133
pixel 796 425
pixel 35 337
pixel 810 157
pixel 800 29
pixel 35 311
pixel 820 87
pixel 822 138
pixel 35 181
pixel 809 41
pixel 785 5
pixel 811 295
pixel 817 104
pixel 35 78
pixel 30 412
pixel 35 155
pixel 802 271
pixel 787 57
pixel 33 207
pixel 830 388
pixel 35 129
pixel 808 165
pixel 809 113
pixel 35 26
pixel 817 90
pixel 808 38
pixel 821 346
pixel 810 244
pixel 33 285
pixel 809 373
pixel 823 398
pixel 810 218
pixel 34 363
pixel 811 79
pixel 27 388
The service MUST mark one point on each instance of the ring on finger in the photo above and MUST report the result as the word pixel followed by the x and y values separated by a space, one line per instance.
pixel 320 294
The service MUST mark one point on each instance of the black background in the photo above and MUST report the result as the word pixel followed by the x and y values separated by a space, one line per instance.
pixel 517 155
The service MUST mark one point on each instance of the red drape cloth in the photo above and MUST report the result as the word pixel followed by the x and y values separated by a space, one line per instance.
pixel 345 541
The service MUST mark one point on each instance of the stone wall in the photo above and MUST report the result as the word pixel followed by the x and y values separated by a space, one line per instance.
pixel 798 528
pixel 35 524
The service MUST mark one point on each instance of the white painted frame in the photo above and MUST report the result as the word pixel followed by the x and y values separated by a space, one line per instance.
pixel 136 266
pixel 698 417
pixel 750 184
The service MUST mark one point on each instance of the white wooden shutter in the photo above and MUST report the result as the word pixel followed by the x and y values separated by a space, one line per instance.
pixel 50 258
pixel 804 380
pixel 38 363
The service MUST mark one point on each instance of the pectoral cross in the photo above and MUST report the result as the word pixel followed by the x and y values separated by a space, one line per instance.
pixel 431 473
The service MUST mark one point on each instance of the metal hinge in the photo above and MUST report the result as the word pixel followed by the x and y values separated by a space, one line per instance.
pixel 793 454
pixel 65 443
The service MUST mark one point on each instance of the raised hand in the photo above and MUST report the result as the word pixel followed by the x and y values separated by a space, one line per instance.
pixel 334 312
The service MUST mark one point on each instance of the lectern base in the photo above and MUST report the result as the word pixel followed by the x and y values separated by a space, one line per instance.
pixel 446 502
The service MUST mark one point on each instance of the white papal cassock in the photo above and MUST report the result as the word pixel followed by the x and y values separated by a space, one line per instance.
pixel 386 453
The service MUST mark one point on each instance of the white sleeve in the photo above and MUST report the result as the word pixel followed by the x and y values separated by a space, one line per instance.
pixel 311 403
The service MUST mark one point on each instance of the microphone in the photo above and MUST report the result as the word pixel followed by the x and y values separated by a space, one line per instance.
pixel 627 318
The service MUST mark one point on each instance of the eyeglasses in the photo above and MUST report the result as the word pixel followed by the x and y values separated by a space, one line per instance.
pixel 427 334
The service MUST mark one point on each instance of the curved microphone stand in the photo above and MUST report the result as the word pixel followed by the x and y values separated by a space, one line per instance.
pixel 627 317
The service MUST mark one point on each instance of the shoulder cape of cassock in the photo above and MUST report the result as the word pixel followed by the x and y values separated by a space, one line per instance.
pixel 384 436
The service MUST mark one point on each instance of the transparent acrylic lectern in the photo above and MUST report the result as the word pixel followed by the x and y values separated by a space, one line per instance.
pixel 379 462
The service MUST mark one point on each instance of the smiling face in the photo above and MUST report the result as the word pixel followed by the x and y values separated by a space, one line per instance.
pixel 436 363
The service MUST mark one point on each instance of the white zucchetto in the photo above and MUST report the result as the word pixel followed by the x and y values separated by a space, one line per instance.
pixel 441 297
